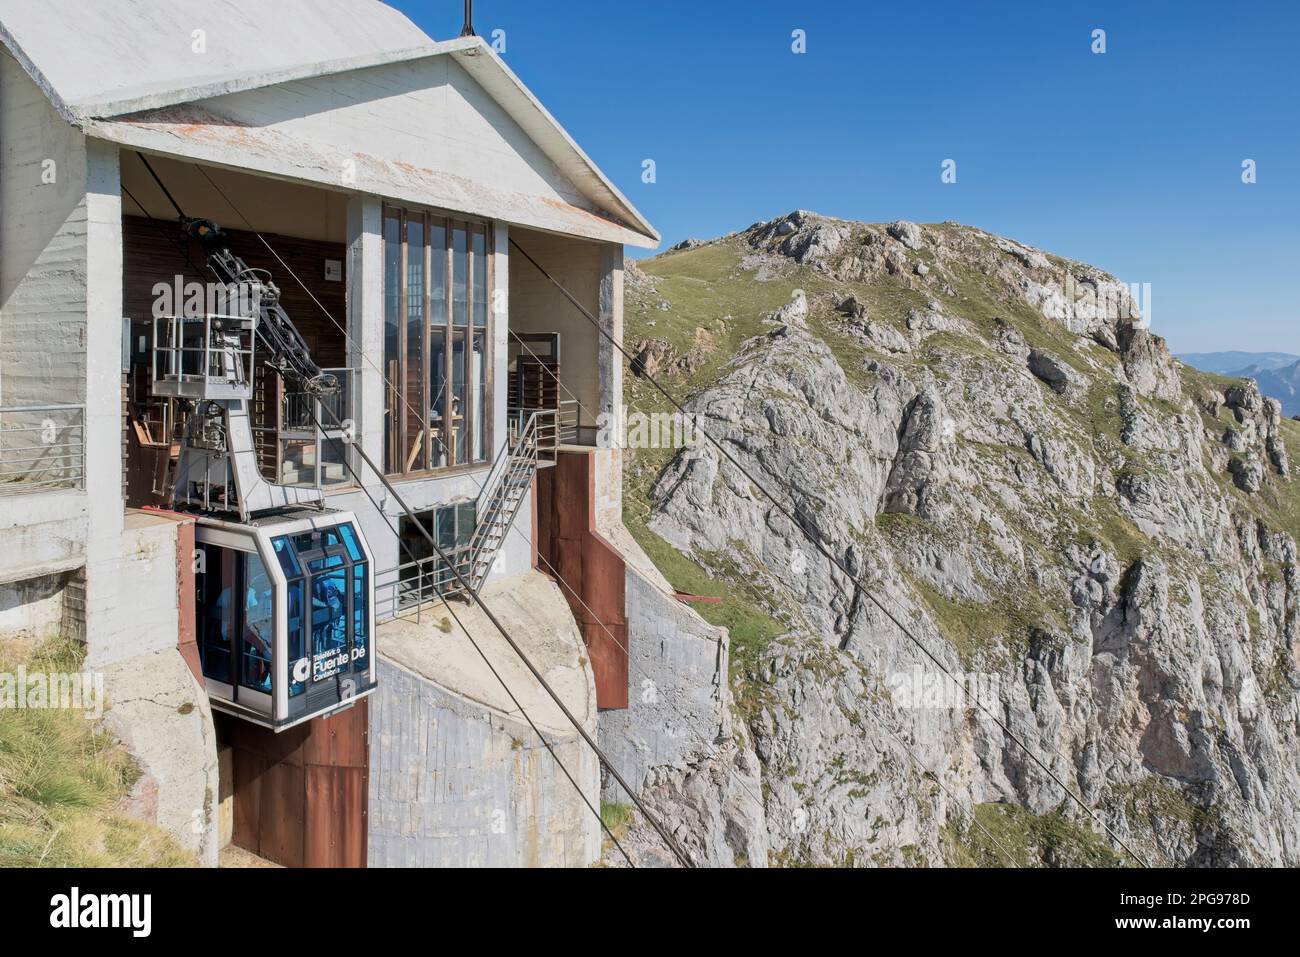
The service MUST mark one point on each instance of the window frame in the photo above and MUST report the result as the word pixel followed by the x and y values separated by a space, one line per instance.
pixel 398 437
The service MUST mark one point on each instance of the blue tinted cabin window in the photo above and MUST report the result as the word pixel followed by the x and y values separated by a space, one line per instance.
pixel 329 617
pixel 360 619
pixel 288 561
pixel 350 540
pixel 297 646
pixel 215 589
pixel 258 627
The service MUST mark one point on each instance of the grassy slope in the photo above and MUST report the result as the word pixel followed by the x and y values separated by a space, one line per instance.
pixel 61 781
pixel 706 290
pixel 706 285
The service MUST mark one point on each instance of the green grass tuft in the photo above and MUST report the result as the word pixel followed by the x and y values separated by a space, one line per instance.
pixel 1003 831
pixel 61 782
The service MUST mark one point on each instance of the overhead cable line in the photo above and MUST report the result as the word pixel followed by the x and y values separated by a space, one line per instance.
pixel 680 854
pixel 455 571
pixel 669 840
pixel 816 543
pixel 514 645
pixel 478 648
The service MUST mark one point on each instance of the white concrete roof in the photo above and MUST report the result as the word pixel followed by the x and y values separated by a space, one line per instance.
pixel 124 70
pixel 88 52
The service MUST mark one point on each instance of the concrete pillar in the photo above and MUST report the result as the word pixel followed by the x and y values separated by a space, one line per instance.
pixel 609 462
pixel 501 331
pixel 105 506
pixel 611 321
pixel 365 323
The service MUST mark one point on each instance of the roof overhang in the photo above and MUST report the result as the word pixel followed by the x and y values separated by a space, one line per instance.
pixel 171 123
pixel 170 119
pixel 188 132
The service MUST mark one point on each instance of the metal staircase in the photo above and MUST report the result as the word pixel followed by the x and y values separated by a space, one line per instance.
pixel 502 496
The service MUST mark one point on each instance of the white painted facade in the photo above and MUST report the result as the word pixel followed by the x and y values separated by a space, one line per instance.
pixel 389 116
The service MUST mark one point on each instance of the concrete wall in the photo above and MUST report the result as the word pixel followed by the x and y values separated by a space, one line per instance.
pixel 37 607
pixel 457 777
pixel 137 609
pixel 537 306
pixel 43 230
pixel 158 709
pixel 591 369
pixel 677 671
pixel 161 713
pixel 272 206
pixel 42 533
pixel 462 134
pixel 456 786
pixel 43 245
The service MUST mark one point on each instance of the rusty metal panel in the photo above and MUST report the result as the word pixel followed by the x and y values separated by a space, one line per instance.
pixel 187 639
pixel 283 747
pixel 280 814
pixel 591 566
pixel 340 741
pixel 247 770
pixel 301 797
pixel 336 820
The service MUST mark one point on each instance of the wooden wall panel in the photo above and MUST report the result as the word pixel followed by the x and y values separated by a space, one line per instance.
pixel 336 817
pixel 302 796
pixel 151 254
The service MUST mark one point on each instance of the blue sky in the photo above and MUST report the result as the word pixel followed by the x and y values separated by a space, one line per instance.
pixel 1130 160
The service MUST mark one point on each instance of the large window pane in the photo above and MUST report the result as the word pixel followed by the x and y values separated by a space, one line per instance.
pixel 437 342
pixel 438 422
pixel 478 388
pixel 392 334
pixel 217 600
pixel 459 278
pixel 458 396
pixel 480 278
pixel 297 644
pixel 360 620
pixel 414 440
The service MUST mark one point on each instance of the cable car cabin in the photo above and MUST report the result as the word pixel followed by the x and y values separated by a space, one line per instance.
pixel 285 615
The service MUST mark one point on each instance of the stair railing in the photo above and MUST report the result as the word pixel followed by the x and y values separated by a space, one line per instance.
pixel 513 469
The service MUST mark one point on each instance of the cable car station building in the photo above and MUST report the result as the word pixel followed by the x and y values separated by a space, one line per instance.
pixel 271 617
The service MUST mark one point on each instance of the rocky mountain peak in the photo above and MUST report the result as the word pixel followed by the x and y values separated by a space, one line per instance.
pixel 1010 461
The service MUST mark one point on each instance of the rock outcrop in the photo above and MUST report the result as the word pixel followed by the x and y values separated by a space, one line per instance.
pixel 993 486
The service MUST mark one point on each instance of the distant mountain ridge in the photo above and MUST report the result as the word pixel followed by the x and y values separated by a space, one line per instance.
pixel 1228 363
pixel 1278 373
pixel 1282 384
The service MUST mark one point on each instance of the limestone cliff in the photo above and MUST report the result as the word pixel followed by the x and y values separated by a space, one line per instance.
pixel 1099 542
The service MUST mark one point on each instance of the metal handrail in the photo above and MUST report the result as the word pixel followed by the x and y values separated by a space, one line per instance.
pixel 433 580
pixel 57 460
pixel 299 414
pixel 192 365
pixel 520 457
